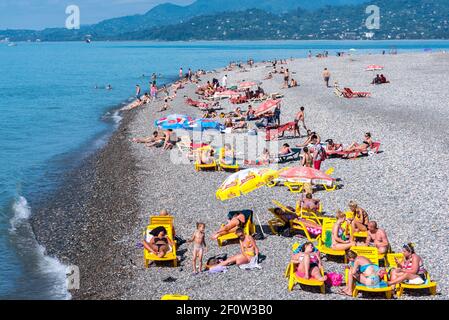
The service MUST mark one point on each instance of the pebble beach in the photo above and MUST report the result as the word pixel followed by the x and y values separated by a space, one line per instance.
pixel 404 187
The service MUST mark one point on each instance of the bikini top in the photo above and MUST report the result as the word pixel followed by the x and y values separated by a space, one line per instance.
pixel 157 239
pixel 408 265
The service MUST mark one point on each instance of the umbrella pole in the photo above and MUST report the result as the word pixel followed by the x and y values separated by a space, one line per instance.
pixel 260 224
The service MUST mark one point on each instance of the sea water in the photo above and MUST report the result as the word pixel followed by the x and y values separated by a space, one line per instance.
pixel 55 110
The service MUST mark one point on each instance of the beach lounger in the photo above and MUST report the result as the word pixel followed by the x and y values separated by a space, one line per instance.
pixel 325 241
pixel 274 133
pixel 428 284
pixel 292 156
pixel 293 279
pixel 227 167
pixel 358 94
pixel 170 256
pixel 175 297
pixel 249 228
pixel 342 94
pixel 371 254
pixel 239 100
pixel 206 167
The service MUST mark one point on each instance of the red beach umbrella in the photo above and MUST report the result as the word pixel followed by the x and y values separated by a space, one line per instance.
pixel 373 67
pixel 267 106
pixel 306 175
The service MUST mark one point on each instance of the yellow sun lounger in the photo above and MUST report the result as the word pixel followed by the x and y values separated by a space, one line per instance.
pixel 325 240
pixel 371 253
pixel 428 284
pixel 169 256
pixel 293 279
pixel 275 222
pixel 206 167
pixel 249 229
pixel 226 167
pixel 175 297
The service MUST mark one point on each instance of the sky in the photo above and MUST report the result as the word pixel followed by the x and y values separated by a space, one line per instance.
pixel 40 14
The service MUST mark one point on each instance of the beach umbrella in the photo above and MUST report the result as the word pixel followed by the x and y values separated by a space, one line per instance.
pixel 267 106
pixel 305 175
pixel 173 121
pixel 373 67
pixel 203 124
pixel 244 182
pixel 226 94
pixel 247 84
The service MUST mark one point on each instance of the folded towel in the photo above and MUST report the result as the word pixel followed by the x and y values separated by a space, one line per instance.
pixel 253 264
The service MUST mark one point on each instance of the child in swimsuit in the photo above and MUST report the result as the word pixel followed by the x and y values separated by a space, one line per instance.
pixel 199 246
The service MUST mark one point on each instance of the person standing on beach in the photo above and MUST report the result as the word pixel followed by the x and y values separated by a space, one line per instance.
pixel 138 90
pixel 286 78
pixel 326 76
pixel 180 73
pixel 189 74
pixel 277 115
pixel 153 92
pixel 299 117
pixel 319 154
pixel 199 246
pixel 224 81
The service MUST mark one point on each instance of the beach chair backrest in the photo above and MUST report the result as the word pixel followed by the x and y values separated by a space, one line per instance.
pixel 391 259
pixel 163 220
pixel 327 233
pixel 167 227
pixel 370 253
pixel 376 146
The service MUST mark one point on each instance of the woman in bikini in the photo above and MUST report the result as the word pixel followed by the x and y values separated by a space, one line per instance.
pixel 238 220
pixel 308 261
pixel 363 147
pixel 248 248
pixel 160 243
pixel 309 203
pixel 361 220
pixel 339 240
pixel 362 270
pixel 411 269
pixel 307 159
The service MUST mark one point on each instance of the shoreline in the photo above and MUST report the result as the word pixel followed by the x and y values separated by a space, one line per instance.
pixel 77 211
pixel 112 194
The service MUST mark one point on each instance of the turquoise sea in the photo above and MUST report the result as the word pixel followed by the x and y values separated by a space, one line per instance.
pixel 52 116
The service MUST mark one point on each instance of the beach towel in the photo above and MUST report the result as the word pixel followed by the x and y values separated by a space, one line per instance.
pixel 253 264
pixel 218 269
pixel 334 279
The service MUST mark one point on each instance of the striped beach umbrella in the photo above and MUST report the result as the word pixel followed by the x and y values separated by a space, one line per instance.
pixel 173 121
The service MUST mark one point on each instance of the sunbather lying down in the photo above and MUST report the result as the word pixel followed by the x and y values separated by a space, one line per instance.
pixel 156 140
pixel 363 147
pixel 290 215
pixel 263 159
pixel 308 261
pixel 160 243
pixel 238 220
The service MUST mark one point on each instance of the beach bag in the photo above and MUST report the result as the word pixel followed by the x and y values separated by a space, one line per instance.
pixel 334 279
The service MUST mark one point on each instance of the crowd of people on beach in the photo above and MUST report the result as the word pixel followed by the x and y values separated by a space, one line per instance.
pixel 314 152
